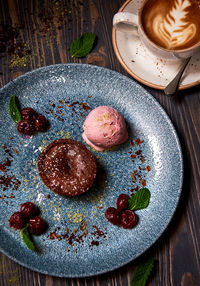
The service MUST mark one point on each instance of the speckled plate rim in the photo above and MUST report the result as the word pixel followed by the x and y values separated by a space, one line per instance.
pixel 179 150
pixel 130 71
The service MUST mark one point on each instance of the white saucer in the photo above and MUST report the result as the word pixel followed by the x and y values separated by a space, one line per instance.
pixel 143 66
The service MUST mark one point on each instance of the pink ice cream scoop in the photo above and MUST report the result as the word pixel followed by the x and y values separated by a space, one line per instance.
pixel 104 127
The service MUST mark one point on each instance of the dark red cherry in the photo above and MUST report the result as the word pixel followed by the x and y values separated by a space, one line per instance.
pixel 28 114
pixel 40 123
pixel 37 225
pixel 29 210
pixel 25 127
pixel 122 202
pixel 129 219
pixel 113 216
pixel 17 220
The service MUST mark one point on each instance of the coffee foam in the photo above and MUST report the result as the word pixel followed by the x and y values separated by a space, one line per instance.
pixel 172 25
pixel 175 29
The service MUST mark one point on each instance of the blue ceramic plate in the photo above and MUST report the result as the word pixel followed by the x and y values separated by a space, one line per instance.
pixel 79 241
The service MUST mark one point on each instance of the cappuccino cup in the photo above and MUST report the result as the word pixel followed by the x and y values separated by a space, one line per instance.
pixel 169 29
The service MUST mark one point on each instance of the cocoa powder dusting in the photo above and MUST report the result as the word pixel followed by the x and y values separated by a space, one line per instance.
pixel 61 110
pixel 138 175
pixel 8 181
pixel 94 242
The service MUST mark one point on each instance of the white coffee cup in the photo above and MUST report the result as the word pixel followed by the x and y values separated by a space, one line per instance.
pixel 132 23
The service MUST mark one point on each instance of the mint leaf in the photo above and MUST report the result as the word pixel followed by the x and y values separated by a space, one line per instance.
pixel 140 199
pixel 142 273
pixel 27 238
pixel 14 110
pixel 82 46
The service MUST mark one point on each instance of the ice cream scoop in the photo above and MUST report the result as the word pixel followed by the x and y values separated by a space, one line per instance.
pixel 104 127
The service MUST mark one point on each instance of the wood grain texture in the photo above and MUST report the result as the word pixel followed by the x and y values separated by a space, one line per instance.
pixel 40 33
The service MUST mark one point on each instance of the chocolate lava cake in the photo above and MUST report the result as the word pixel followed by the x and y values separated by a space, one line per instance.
pixel 67 167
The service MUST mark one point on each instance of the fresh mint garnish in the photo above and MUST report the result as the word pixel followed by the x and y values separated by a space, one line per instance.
pixel 27 238
pixel 82 46
pixel 140 199
pixel 142 272
pixel 14 110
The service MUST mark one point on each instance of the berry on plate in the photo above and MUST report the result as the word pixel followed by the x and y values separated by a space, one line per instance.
pixel 17 220
pixel 128 219
pixel 37 225
pixel 113 216
pixel 28 210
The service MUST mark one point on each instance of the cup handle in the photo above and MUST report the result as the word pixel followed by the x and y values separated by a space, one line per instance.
pixel 125 22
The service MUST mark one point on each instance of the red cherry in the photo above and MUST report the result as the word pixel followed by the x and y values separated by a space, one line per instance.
pixel 129 219
pixel 113 216
pixel 40 123
pixel 37 225
pixel 17 220
pixel 28 210
pixel 28 114
pixel 25 127
pixel 122 202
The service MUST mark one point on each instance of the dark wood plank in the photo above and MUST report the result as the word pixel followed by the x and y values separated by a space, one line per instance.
pixel 40 35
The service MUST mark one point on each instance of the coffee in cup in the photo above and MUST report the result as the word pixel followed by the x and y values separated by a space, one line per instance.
pixel 172 24
pixel 170 29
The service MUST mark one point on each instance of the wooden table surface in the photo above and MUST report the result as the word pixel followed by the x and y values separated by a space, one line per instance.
pixel 37 33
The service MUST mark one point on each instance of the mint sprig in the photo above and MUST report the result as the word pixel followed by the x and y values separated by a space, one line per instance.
pixel 14 110
pixel 140 199
pixel 82 46
pixel 27 238
pixel 142 272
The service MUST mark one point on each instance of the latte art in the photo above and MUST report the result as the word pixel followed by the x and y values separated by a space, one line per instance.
pixel 175 29
pixel 172 24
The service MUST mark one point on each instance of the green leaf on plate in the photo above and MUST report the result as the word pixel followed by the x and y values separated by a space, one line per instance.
pixel 82 46
pixel 14 110
pixel 27 238
pixel 140 199
pixel 142 272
